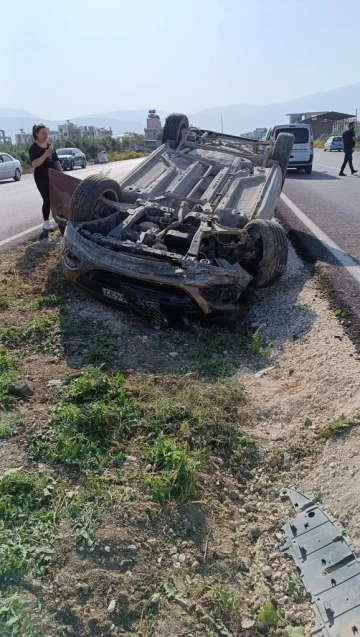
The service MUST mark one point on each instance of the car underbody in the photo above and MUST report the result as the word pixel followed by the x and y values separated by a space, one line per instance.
pixel 186 232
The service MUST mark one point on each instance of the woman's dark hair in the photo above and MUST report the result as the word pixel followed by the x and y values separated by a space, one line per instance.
pixel 36 129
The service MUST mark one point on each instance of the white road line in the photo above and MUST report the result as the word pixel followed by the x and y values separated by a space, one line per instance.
pixel 19 235
pixel 343 257
pixel 331 167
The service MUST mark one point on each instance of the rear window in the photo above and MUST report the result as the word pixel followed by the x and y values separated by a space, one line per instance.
pixel 301 134
pixel 337 139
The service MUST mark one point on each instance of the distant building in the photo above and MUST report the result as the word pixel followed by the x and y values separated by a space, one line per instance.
pixel 256 134
pixel 297 118
pixel 23 138
pixel 324 122
pixel 69 130
pixel 4 139
pixel 54 135
pixel 152 130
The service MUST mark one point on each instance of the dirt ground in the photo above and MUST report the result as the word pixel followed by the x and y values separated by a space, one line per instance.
pixel 167 523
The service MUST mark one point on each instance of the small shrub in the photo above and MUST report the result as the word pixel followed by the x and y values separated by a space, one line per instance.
pixel 175 470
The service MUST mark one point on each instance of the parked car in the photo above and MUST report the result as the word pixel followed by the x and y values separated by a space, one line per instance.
pixel 10 168
pixel 303 150
pixel 186 232
pixel 71 157
pixel 334 143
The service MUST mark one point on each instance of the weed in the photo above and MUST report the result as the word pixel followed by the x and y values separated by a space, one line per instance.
pixel 269 616
pixel 294 587
pixel 101 351
pixel 7 376
pixel 4 303
pixel 257 345
pixel 26 525
pixel 38 333
pixel 93 420
pixel 10 336
pixel 211 364
pixel 339 426
pixel 8 425
pixel 175 470
pixel 49 300
pixel 19 618
pixel 338 312
pixel 317 498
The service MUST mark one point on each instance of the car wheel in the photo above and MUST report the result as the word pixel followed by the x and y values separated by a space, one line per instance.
pixel 324 150
pixel 84 202
pixel 17 175
pixel 83 165
pixel 174 124
pixel 282 151
pixel 270 238
pixel 308 170
pixel 71 167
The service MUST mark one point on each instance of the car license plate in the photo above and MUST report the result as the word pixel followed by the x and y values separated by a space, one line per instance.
pixel 115 296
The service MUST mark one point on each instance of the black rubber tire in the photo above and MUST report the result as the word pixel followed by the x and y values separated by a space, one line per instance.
pixel 71 165
pixel 274 247
pixel 308 170
pixel 83 165
pixel 172 130
pixel 282 151
pixel 87 195
pixel 17 175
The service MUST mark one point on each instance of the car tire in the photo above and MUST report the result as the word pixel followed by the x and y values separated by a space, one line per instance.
pixel 308 170
pixel 172 130
pixel 71 166
pixel 324 150
pixel 282 151
pixel 274 250
pixel 17 175
pixel 83 165
pixel 88 193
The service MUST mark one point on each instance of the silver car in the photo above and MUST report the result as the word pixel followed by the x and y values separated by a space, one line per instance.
pixel 334 143
pixel 10 168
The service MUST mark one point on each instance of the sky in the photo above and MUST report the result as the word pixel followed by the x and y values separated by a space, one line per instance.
pixel 81 57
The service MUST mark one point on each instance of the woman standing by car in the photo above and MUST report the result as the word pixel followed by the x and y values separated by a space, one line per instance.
pixel 43 157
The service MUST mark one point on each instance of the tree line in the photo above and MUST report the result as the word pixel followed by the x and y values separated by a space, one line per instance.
pixel 90 147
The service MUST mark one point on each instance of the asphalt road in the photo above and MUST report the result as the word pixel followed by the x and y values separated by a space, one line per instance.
pixel 20 202
pixel 321 213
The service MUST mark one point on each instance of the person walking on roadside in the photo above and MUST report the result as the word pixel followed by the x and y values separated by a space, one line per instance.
pixel 349 145
pixel 43 157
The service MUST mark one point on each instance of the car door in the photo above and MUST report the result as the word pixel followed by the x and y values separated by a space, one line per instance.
pixel 77 157
pixel 8 168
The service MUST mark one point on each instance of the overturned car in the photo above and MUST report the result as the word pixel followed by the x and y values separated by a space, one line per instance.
pixel 186 232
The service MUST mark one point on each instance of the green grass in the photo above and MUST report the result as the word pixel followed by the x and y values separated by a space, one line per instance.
pixel 8 375
pixel 338 427
pixel 38 333
pixel 4 302
pixel 26 525
pixel 9 425
pixel 257 345
pixel 88 429
pixel 209 415
pixel 175 470
pixel 101 352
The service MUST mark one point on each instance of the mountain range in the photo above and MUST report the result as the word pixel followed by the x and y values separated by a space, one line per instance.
pixel 237 119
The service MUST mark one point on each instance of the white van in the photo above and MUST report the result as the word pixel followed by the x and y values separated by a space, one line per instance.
pixel 303 150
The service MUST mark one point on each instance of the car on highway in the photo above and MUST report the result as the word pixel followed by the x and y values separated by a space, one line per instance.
pixel 334 143
pixel 303 150
pixel 71 157
pixel 186 232
pixel 10 168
